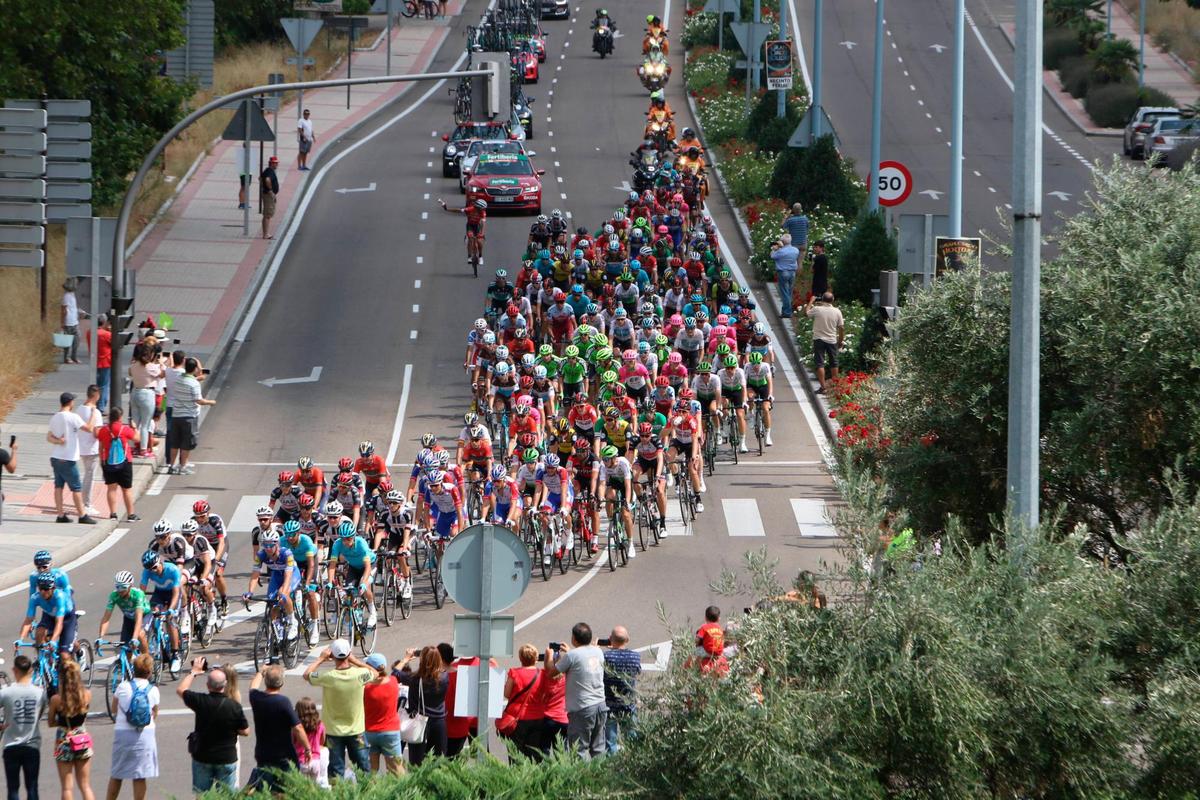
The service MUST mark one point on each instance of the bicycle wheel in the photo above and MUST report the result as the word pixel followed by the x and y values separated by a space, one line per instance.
pixel 474 505
pixel 161 649
pixel 264 636
pixel 410 9
pixel 388 606
pixel 202 627
pixel 434 577
pixel 85 656
pixel 579 528
pixel 613 545
pixel 622 541
pixel 290 648
pixel 404 598
pixel 734 437
pixel 760 431
pixel 329 611
pixel 657 526
pixel 544 564
pixel 643 520
pixel 439 589
pixel 561 554
pixel 366 636
pixel 420 553
pixel 117 674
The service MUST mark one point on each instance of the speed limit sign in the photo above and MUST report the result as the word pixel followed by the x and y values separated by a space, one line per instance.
pixel 895 183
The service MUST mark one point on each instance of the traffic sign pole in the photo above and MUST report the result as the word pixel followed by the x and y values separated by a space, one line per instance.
pixel 876 107
pixel 818 54
pixel 781 98
pixel 956 123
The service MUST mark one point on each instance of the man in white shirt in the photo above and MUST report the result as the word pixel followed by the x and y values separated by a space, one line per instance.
pixel 64 456
pixel 89 445
pixel 305 137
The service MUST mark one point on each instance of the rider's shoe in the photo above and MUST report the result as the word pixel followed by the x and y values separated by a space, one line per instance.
pixel 699 507
pixel 769 442
pixel 546 559
pixel 742 448
pixel 372 619
pixel 223 606
pixel 670 480
pixel 313 637
pixel 292 625
pixel 406 589
pixel 175 664
pixel 595 548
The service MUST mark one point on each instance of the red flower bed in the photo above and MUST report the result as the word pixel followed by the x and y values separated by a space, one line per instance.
pixel 854 404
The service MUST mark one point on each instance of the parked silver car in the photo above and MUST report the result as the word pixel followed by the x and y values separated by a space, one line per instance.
pixel 1143 120
pixel 1169 133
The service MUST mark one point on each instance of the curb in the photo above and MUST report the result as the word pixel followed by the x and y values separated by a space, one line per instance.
pixel 808 380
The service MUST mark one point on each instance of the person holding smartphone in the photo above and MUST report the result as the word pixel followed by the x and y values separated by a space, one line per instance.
pixel 8 462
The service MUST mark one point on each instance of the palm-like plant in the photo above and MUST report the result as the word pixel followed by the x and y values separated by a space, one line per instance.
pixel 1114 60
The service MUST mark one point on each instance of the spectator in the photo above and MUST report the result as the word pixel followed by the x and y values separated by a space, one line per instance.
pixel 427 689
pixel 117 442
pixel 459 730
pixel 306 138
pixel 67 714
pixel 522 690
pixel 103 358
pixel 797 227
pixel 69 318
pixel 89 446
pixel 314 761
pixel 820 270
pixel 174 371
pixel 8 463
pixel 144 371
pixel 710 645
pixel 553 700
pixel 280 739
pixel 64 456
pixel 135 751
pixel 243 185
pixel 342 706
pixel 829 328
pixel 583 665
pixel 23 704
pixel 219 722
pixel 787 261
pixel 381 701
pixel 621 670
pixel 268 183
pixel 185 417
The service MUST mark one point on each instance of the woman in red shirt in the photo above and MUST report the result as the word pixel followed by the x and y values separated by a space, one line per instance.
pixel 117 465
pixel 554 699
pixel 523 691
pixel 381 698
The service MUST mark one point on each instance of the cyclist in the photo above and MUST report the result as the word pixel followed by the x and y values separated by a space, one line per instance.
pixel 168 544
pixel 476 226
pixel 523 421
pixel 212 527
pixel 707 388
pixel 583 466
pixel 279 563
pixel 396 523
pixel 556 493
pixel 198 560
pixel 378 504
pixel 134 607
pixel 662 397
pixel 616 430
pixel 584 416
pixel 499 293
pixel 346 467
pixel 574 372
pixel 762 387
pixel 760 342
pixel 353 551
pixel 311 479
pixel 634 374
pixel 683 432
pixel 285 498
pixel 327 527
pixel 348 496
pixel 470 420
pixel 308 516
pixel 447 500
pixel 304 553
pixel 57 625
pixel 43 563
pixel 266 518
pixel 543 392
pixel 502 499
pixel 733 394
pixel 164 582
pixel 649 450
pixel 617 475
pixel 476 456
pixel 371 467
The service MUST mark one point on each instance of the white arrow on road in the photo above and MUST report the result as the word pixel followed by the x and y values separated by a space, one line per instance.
pixel 369 188
pixel 938 47
pixel 624 187
pixel 617 34
pixel 934 193
pixel 1064 196
pixel 848 45
pixel 311 377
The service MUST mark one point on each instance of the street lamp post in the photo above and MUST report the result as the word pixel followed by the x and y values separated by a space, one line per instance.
pixel 876 107
pixel 956 123
pixel 818 55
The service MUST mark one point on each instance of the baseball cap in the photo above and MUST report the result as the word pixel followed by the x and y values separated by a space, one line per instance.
pixel 65 398
pixel 376 661
pixel 340 648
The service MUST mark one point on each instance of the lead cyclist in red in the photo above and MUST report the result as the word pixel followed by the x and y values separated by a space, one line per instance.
pixel 476 223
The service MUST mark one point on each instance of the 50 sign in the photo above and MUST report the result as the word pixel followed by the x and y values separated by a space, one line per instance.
pixel 895 183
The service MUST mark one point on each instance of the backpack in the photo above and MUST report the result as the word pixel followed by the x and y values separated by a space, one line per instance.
pixel 116 450
pixel 138 712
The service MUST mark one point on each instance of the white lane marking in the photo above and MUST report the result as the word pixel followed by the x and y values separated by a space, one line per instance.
pixel 562 598
pixel 412 334
pixel 992 189
pixel 429 164
pixel 742 517
pixel 555 150
pixel 158 484
pixel 180 508
pixel 548 119
pixel 912 88
pixel 662 656
pixel 431 148
pixel 243 519
pixel 901 60
pixel 556 164
pixel 433 133
pixel 928 115
pixel 563 196
pixel 921 102
pixel 420 237
pixel 800 50
pixel 424 215
pixel 812 518
pixel 429 180
pixel 416 308
pixel 417 283
pixel 560 180
pixel 906 73
pixel 420 260
pixel 426 196
pixel 978 174
pixel 99 549
pixel 398 426
pixel 939 130
pixel 549 133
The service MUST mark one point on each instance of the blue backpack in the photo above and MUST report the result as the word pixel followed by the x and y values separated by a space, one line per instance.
pixel 138 713
pixel 116 450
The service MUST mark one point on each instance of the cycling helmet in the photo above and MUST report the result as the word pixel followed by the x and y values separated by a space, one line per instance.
pixel 644 346
pixel 263 512
pixel 481 203
pixel 661 339
pixel 307 500
pixel 619 216
pixel 729 361
pixel 582 444
pixel 723 349
pixel 366 449
pixel 42 558
pixel 345 529
pixel 526 384
pixel 394 496
pixel 723 318
pixel 539 373
pixel 470 418
pixel 385 486
pixel 686 393
pixel 592 308
pixel 123 579
pixel 702 314
pixel 577 254
pixel 304 463
pixel 162 528
pixel 633 197
pixel 287 477
pixel 345 464
pixel 481 324
pixel 609 376
pixel 489 338
pixel 290 528
pixel 689 321
pixel 546 350
pixel 200 508
pixel 755 358
pixel 189 527
pixel 557 214
pixel 552 461
pixel 526 440
pixel 502 353
pixel 619 390
pixel 502 368
pixel 646 251
pixel 580 399
pixel 542 218
pixel 443 457
pixel 661 381
pixel 150 560
pixel 498 471
pixel 345 478
pixel 621 313
pixel 501 273
pixel 612 413
pixel 629 355
pixel 478 432
pixel 663 229
pixel 512 310
pixel 424 457
pixel 572 351
pixel 647 323
pixel 604 354
pixel 46 580
pixel 614 245
pixel 607 452
pixel 270 538
pixel 522 410
pixel 704 367
pixel 543 253
pixel 333 509
pixel 530 456
pixel 675 358
pixel 528 360
pixel 645 429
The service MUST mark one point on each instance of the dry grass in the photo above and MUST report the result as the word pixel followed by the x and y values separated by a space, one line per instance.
pixel 25 345
pixel 1172 25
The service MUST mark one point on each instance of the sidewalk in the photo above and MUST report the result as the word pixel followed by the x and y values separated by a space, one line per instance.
pixel 195 265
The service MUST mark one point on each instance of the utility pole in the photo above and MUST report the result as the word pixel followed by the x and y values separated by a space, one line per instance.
pixel 1141 43
pixel 956 123
pixel 1025 333
pixel 818 55
pixel 388 41
pixel 876 108
pixel 781 96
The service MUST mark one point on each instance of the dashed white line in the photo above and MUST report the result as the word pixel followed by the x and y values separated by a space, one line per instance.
pixel 549 133
pixel 570 31
pixel 158 484
pixel 548 119
pixel 552 150
pixel 556 164
pixel 1008 206
pixel 939 130
pixel 426 197
pixel 412 334
pixel 977 173
pixel 429 165
pixel 992 189
pixel 562 56
pixel 431 148
pixel 424 215
pixel 416 308
pixel 893 44
pixel 920 102
pixel 417 283
pixel 429 180
pixel 560 178
pixel 433 134
pixel 912 88
pixel 566 44
pixel 420 259
pixel 928 115
pixel 906 73
pixel 900 59
pixel 550 93
pixel 420 237
pixel 563 196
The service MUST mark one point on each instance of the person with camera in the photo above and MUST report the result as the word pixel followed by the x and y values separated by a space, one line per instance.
pixel 219 722
pixel 787 261
pixel 587 711
pixel 523 714
pixel 621 670
pixel 279 739
pixel 829 328
pixel 185 417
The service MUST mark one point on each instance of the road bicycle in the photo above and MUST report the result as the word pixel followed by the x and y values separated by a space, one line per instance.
pixel 560 542
pixel 709 450
pixel 411 9
pixel 646 513
pixel 684 493
pixel 758 423
pixel 618 537
pixel 733 435
pixel 352 619
pixel 462 101
pixel 270 638
pixel 45 668
pixel 160 645
pixel 436 548
pixel 119 671
pixel 201 620
pixel 396 590
pixel 475 500
pixel 581 524
pixel 533 533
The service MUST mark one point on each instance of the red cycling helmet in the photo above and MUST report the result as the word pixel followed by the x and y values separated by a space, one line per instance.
pixel 284 477
pixel 201 507
pixel 676 261
pixel 526 439
pixel 385 486
pixel 645 429
pixel 346 478
pixel 307 500
pixel 619 390
pixel 512 310
pixel 526 382
pixel 662 229
pixel 345 464
pixel 661 380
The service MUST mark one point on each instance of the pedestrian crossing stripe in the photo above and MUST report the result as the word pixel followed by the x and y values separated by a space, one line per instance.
pixel 742 517
pixel 180 508
pixel 812 517
pixel 243 519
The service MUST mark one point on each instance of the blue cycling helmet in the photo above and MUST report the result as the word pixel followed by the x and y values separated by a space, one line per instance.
pixel 424 456
pixel 543 253
pixel 498 471
pixel 346 529
pixel 42 558
pixel 634 264
pixel 45 581
pixel 291 527
pixel 150 559
pixel 633 197
pixel 726 310
pixel 644 346
pixel 577 288
pixel 593 308
pixel 578 254
pixel 551 460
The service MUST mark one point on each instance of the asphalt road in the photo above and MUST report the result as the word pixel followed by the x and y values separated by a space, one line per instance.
pixel 918 81
pixel 374 289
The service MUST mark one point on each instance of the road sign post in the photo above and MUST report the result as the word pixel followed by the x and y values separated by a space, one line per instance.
pixel 892 184
pixel 818 56
pixel 486 569
pixel 876 106
pixel 300 32
pixel 274 78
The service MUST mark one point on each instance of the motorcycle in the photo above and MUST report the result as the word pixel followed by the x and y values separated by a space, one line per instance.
pixel 645 169
pixel 602 39
pixel 524 113
pixel 656 40
pixel 654 71
pixel 661 133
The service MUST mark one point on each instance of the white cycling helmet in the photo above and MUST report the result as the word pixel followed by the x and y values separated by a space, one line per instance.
pixel 395 496
pixel 481 324
pixel 123 579
pixel 263 512
pixel 268 538
pixel 333 508
pixel 162 527
pixel 189 527
pixel 502 353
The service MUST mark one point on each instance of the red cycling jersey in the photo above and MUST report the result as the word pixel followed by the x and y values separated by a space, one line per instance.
pixel 372 468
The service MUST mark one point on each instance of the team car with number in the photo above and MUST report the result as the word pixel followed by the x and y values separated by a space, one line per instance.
pixel 458 140
pixel 481 147
pixel 506 180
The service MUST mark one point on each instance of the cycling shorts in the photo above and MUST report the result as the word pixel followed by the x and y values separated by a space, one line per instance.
pixel 127 631
pixel 276 583
pixel 618 486
pixel 555 502
pixel 354 575
pixel 69 624
pixel 757 391
pixel 445 523
pixel 475 228
pixel 736 397
pixel 648 467
pixel 570 390
pixel 397 541
pixel 283 515
pixel 682 448
pixel 501 513
pixel 161 598
pixel 503 391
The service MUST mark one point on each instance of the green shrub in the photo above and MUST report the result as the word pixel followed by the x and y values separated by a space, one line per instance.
pixel 1057 45
pixel 707 70
pixel 766 224
pixel 1149 96
pixel 747 175
pixel 767 130
pixel 1075 73
pixel 699 29
pixel 857 317
pixel 1110 105
pixel 722 117
pixel 817 176
pixel 869 250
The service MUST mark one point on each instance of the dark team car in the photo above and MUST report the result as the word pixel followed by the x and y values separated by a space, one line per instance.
pixel 555 9
pixel 461 136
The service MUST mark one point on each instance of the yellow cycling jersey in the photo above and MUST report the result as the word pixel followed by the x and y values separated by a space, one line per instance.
pixel 617 433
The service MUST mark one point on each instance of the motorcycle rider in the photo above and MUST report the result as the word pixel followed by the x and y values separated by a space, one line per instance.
pixel 655 31
pixel 688 140
pixel 603 20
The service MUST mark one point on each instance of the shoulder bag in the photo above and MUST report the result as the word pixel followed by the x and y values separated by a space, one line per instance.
pixel 508 722
pixel 412 727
